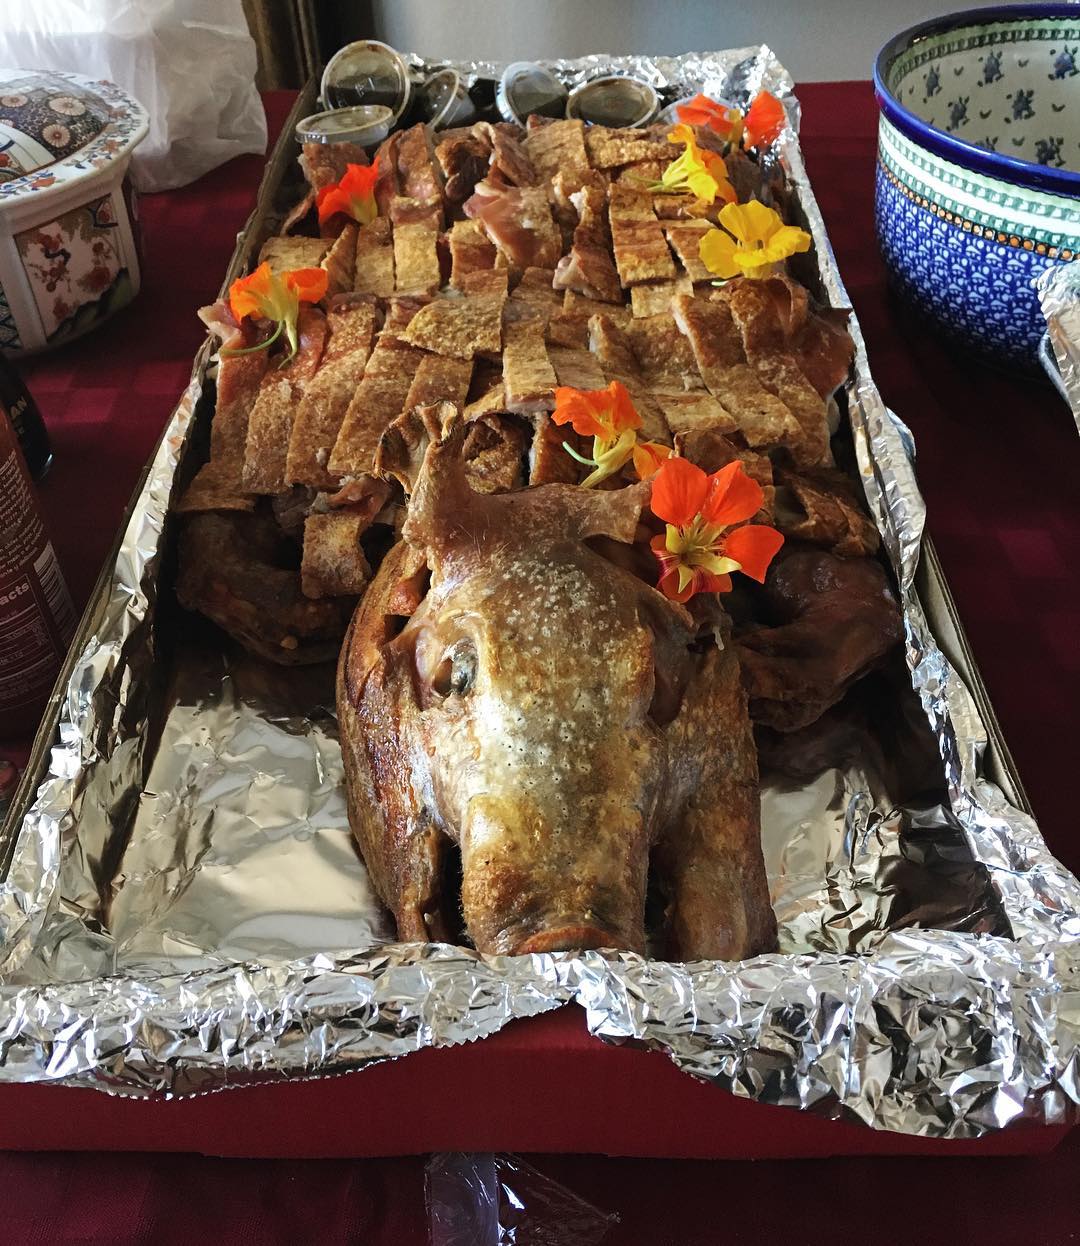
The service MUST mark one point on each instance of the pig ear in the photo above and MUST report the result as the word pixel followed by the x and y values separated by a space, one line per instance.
pixel 587 512
pixel 443 509
pixel 444 512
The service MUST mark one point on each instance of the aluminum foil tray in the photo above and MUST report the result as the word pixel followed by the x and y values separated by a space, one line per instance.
pixel 182 909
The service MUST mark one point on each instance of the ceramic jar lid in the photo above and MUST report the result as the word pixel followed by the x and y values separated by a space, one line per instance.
pixel 44 118
pixel 56 127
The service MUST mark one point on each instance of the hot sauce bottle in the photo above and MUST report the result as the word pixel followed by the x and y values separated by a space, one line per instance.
pixel 26 418
pixel 37 618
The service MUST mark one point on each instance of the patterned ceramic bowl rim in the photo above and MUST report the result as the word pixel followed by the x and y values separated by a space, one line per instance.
pixel 128 125
pixel 1005 168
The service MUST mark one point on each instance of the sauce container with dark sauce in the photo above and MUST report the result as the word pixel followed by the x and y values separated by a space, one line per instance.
pixel 367 72
pixel 527 88
pixel 366 124
pixel 444 101
pixel 613 101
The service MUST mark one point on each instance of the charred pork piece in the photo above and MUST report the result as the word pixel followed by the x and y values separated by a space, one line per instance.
pixel 239 570
pixel 555 717
pixel 836 618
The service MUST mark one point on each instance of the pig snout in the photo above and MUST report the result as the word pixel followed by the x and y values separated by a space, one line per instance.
pixel 533 884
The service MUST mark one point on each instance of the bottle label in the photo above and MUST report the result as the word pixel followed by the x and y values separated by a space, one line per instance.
pixel 37 618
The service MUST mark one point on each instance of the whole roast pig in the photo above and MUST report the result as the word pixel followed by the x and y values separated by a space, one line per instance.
pixel 511 686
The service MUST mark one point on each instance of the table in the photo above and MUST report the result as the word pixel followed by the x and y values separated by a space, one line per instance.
pixel 998 463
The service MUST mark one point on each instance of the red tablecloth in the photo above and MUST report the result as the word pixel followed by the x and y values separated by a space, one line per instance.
pixel 999 464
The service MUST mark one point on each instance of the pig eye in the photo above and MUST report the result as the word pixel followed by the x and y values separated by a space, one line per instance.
pixel 456 673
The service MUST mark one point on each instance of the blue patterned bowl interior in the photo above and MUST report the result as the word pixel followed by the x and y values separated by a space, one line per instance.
pixel 978 179
pixel 1006 87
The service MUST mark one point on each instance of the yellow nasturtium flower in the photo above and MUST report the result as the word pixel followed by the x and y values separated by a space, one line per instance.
pixel 702 173
pixel 753 240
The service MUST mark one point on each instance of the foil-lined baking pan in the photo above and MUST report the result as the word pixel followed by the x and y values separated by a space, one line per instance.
pixel 182 908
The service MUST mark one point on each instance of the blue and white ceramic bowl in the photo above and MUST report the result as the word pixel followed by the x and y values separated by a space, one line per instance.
pixel 978 174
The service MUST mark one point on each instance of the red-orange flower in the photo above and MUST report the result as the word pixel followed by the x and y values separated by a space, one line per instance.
pixel 649 457
pixel 608 417
pixel 764 120
pixel 725 121
pixel 698 552
pixel 266 295
pixel 353 196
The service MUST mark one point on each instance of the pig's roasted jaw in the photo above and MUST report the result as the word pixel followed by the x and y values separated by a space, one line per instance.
pixel 565 938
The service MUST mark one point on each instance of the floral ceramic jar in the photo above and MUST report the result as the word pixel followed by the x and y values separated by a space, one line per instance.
pixel 978 175
pixel 67 251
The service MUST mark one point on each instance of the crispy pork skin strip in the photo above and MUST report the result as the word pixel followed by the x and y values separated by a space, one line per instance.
pixel 327 395
pixel 641 251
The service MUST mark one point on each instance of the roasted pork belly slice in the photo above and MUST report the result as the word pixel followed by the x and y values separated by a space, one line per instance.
pixel 589 267
pixel 518 221
pixel 280 393
pixel 327 395
pixel 374 272
pixel 612 347
pixel 528 376
pixel 685 238
pixel 463 324
pixel 755 312
pixel 463 156
pixel 763 419
pixel 419 177
pixel 326 163
pixel 653 298
pixel 608 148
pixel 641 251
pixel 470 250
pixel 333 563
pixel 556 147
pixel 284 252
pixel 416 246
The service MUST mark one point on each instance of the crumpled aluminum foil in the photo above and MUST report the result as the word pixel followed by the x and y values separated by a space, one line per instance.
pixel 1059 294
pixel 184 910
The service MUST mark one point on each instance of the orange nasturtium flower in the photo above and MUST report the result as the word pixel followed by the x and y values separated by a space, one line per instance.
pixel 354 195
pixel 764 120
pixel 751 243
pixel 266 295
pixel 703 173
pixel 722 120
pixel 609 418
pixel 699 551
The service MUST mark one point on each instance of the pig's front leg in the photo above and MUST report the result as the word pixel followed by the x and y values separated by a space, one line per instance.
pixel 710 857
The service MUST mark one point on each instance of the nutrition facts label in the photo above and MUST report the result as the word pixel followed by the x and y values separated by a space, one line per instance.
pixel 37 618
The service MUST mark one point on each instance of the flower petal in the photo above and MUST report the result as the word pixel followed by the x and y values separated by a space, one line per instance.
pixel 648 458
pixel 703 111
pixel 715 583
pixel 733 496
pixel 623 412
pixel 682 134
pixel 669 586
pixel 581 409
pixel 330 200
pixel 717 251
pixel 753 547
pixel 750 222
pixel 787 240
pixel 249 296
pixel 310 284
pixel 764 120
pixel 679 491
pixel 353 195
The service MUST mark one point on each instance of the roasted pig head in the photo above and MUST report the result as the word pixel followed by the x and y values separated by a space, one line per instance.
pixel 552 714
